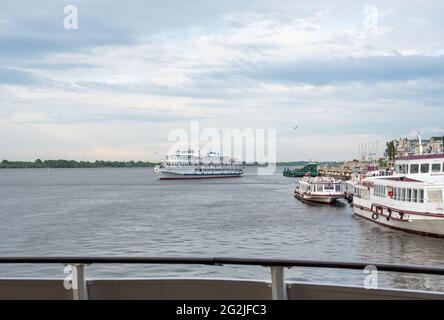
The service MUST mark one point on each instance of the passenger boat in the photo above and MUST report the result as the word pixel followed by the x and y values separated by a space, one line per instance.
pixel 191 165
pixel 319 189
pixel 410 200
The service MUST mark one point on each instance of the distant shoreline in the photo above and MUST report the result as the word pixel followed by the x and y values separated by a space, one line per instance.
pixel 53 164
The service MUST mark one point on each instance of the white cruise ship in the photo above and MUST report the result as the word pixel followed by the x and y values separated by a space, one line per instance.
pixel 191 165
pixel 410 200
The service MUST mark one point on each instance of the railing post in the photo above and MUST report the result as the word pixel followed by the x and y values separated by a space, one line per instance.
pixel 278 287
pixel 79 289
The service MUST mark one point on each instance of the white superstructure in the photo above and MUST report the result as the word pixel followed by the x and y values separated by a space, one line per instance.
pixel 192 165
pixel 410 200
pixel 319 189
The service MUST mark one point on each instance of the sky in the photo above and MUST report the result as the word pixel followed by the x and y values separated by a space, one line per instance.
pixel 344 73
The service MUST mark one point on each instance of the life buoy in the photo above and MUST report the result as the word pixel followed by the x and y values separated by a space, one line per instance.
pixel 375 216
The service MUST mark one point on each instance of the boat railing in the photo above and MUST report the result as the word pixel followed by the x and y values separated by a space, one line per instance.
pixel 277 266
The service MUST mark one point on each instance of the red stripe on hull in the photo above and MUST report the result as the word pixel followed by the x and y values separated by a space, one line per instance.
pixel 322 195
pixel 380 214
pixel 298 196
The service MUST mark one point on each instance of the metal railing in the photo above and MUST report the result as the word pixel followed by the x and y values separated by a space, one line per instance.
pixel 276 265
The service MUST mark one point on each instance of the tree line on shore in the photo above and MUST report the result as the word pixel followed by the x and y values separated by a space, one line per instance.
pixel 5 164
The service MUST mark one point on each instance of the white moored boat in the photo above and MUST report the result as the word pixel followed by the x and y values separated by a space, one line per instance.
pixel 410 200
pixel 319 189
pixel 190 165
pixel 359 174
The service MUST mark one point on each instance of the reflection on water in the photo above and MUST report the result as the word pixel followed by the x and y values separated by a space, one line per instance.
pixel 129 212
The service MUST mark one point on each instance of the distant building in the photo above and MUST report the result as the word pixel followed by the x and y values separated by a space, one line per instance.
pixel 405 146
pixel 435 145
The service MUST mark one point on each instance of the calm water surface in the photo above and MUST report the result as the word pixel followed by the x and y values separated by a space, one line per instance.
pixel 128 212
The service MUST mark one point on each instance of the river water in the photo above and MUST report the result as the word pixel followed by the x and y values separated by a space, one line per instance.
pixel 128 212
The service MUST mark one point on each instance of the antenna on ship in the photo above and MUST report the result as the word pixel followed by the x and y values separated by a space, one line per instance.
pixel 419 142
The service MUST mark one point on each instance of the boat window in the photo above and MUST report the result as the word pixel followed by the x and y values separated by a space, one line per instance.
pixel 395 193
pixel 414 168
pixel 425 168
pixel 338 188
pixel 435 195
pixel 329 187
pixel 397 168
pixel 403 192
pixel 409 195
pixel 414 195
pixel 379 191
pixel 436 167
pixel 421 196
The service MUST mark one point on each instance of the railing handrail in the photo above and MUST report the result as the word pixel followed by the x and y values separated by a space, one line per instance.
pixel 224 261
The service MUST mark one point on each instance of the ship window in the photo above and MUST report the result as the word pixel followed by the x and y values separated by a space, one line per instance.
pixel 435 195
pixel 329 187
pixel 403 192
pixel 414 195
pixel 421 196
pixel 338 188
pixel 319 188
pixel 436 167
pixel 425 168
pixel 414 168
pixel 379 191
pixel 409 195
pixel 397 168
pixel 395 193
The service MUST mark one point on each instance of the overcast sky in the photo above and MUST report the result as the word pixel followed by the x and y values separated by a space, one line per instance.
pixel 133 71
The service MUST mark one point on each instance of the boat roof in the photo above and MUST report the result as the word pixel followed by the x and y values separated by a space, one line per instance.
pixel 404 179
pixel 384 180
pixel 422 157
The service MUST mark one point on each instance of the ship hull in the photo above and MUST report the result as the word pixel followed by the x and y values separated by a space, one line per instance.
pixel 324 199
pixel 177 176
pixel 419 224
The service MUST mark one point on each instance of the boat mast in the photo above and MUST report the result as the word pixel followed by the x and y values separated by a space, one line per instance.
pixel 420 142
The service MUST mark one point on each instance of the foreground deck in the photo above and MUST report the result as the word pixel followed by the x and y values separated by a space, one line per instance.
pixel 82 288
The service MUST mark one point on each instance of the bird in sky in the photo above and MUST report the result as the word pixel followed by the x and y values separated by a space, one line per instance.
pixel 295 127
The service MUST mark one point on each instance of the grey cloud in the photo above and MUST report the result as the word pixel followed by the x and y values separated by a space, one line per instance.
pixel 17 77
pixel 319 72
